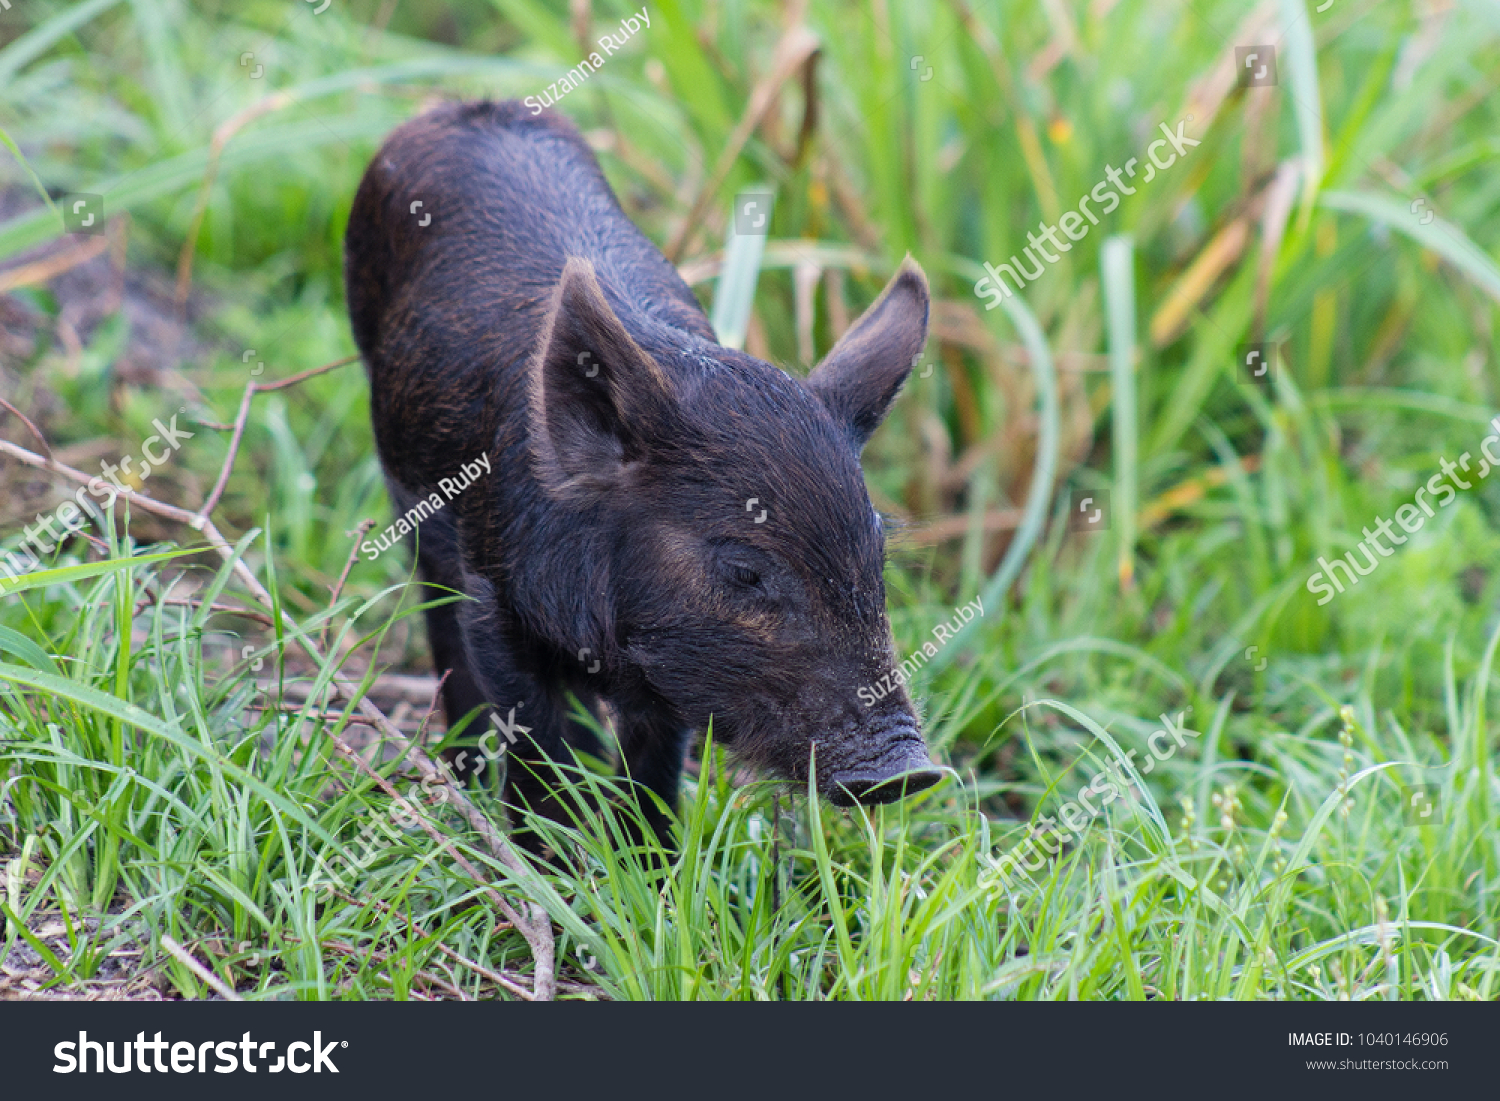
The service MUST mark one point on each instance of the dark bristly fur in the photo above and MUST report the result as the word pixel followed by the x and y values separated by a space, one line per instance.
pixel 530 320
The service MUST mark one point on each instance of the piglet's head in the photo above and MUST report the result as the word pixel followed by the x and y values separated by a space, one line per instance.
pixel 716 541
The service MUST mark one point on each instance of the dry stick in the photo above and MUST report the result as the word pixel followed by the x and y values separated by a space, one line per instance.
pixel 228 609
pixel 578 18
pixel 412 688
pixel 387 684
pixel 795 47
pixel 380 956
pixel 956 527
pixel 537 927
pixel 193 602
pixel 1282 196
pixel 35 431
pixel 358 534
pixel 494 976
pixel 240 420
pixel 49 267
pixel 432 707
pixel 119 229
pixel 187 960
pixel 311 716
pixel 234 449
pixel 420 737
pixel 226 130
pixel 292 380
pixel 444 844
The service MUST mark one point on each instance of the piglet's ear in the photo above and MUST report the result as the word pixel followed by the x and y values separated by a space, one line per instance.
pixel 598 401
pixel 859 379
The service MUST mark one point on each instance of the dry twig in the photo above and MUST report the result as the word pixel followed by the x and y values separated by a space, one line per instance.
pixel 184 957
pixel 796 47
pixel 479 969
pixel 358 534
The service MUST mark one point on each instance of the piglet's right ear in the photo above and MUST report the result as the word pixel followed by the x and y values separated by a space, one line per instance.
pixel 598 401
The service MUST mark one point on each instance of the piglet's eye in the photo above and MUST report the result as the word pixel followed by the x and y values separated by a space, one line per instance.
pixel 744 575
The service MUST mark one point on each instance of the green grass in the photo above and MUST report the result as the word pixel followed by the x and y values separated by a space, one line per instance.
pixel 155 782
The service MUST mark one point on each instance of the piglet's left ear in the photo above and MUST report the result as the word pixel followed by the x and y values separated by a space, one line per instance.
pixel 859 379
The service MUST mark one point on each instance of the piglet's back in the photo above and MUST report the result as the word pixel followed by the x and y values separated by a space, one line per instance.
pixel 507 197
